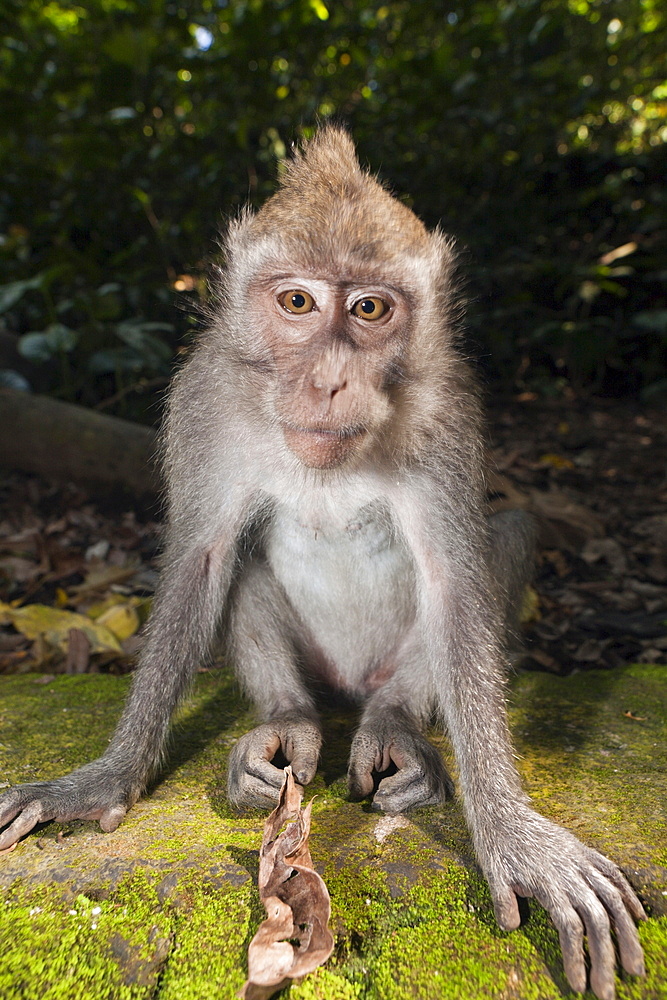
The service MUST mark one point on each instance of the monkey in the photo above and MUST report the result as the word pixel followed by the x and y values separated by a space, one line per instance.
pixel 325 467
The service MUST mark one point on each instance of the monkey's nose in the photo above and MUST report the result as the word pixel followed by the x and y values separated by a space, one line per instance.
pixel 322 391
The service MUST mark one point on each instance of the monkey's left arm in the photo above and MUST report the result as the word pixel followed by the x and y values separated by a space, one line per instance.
pixel 521 852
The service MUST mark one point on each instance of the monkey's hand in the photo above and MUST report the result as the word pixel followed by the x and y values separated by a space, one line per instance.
pixel 253 781
pixel 92 792
pixel 583 892
pixel 421 778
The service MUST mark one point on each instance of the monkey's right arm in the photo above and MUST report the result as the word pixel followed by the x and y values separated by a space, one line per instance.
pixel 190 597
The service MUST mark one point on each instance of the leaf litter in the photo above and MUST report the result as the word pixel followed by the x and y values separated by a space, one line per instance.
pixel 295 938
pixel 591 470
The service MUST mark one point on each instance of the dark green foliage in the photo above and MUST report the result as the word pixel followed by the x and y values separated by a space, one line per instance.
pixel 535 129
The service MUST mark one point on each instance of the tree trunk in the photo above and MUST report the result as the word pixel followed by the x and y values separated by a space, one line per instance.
pixel 66 442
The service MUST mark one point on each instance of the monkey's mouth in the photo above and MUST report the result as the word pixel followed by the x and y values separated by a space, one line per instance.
pixel 321 447
pixel 327 433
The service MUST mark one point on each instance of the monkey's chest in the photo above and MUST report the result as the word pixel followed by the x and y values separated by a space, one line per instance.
pixel 352 586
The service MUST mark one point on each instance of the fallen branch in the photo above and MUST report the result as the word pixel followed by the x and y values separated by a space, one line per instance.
pixel 66 442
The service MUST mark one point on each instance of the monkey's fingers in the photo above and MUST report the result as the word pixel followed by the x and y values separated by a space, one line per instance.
pixel 571 936
pixel 10 806
pixel 614 875
pixel 111 818
pixel 568 923
pixel 586 913
pixel 629 947
pixel 409 788
pixel 505 906
pixel 366 756
pixel 27 818
pixel 301 746
pixel 252 781
pixel 600 945
pixel 421 779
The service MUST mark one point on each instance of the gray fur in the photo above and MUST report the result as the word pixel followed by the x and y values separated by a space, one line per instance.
pixel 348 455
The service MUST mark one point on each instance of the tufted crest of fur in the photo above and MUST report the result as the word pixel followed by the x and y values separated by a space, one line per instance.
pixel 339 204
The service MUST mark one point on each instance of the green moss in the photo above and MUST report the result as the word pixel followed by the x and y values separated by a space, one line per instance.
pixel 111 949
pixel 653 935
pixel 211 939
pixel 172 893
pixel 325 985
pixel 48 729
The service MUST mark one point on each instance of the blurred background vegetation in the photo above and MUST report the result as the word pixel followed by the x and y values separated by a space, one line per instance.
pixel 535 130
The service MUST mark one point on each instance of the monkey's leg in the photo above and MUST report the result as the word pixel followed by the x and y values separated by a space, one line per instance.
pixel 262 633
pixel 187 606
pixel 511 560
pixel 520 852
pixel 391 735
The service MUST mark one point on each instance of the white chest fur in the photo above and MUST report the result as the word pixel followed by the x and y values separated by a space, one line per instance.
pixel 351 581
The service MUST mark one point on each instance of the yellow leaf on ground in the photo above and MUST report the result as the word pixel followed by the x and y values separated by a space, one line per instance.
pixel 530 606
pixel 556 461
pixel 121 619
pixel 38 621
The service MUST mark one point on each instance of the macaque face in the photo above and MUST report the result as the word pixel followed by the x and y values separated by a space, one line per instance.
pixel 335 346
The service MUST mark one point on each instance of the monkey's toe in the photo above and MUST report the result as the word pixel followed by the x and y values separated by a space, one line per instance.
pixel 253 780
pixel 394 758
pixel 248 792
pixel 410 788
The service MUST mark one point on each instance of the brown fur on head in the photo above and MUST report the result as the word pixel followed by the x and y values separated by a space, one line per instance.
pixel 335 237
pixel 341 205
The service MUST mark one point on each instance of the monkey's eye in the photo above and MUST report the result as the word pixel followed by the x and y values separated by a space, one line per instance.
pixel 296 301
pixel 370 308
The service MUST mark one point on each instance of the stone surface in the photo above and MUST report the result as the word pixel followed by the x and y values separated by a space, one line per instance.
pixel 165 906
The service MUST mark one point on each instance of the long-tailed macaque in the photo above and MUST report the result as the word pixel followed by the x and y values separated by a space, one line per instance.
pixel 326 493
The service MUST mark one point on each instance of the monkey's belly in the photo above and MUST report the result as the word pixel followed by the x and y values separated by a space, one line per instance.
pixel 352 587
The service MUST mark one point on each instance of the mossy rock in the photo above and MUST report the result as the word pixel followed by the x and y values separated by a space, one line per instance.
pixel 165 906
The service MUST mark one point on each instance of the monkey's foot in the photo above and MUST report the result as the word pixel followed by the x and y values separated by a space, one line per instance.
pixel 92 792
pixel 420 778
pixel 585 894
pixel 253 782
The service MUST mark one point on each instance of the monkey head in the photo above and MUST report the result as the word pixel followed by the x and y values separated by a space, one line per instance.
pixel 339 280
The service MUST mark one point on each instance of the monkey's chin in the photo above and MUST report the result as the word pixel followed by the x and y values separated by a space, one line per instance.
pixel 321 449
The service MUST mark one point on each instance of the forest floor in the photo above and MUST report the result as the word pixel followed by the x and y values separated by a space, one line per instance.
pixel 595 474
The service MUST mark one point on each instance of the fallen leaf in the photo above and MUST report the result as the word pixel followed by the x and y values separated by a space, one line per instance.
pixel 530 606
pixel 78 652
pixel 637 718
pixel 556 461
pixel 122 620
pixel 295 937
pixel 607 549
pixel 99 577
pixel 564 523
pixel 40 622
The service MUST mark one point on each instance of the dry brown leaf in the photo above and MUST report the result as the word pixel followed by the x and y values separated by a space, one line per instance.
pixel 295 937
